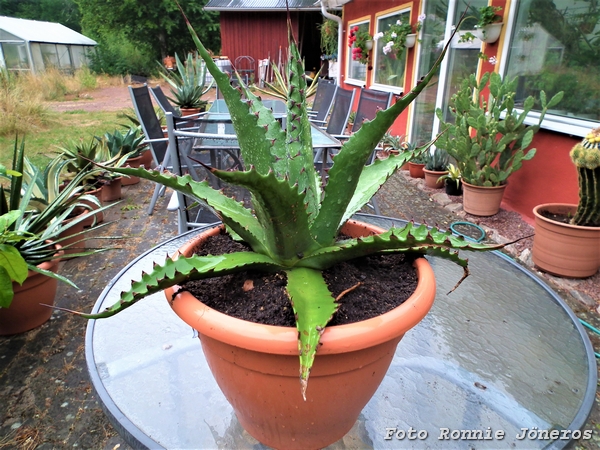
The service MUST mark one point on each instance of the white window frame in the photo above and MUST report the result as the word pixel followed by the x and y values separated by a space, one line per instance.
pixel 567 125
pixel 354 81
pixel 402 9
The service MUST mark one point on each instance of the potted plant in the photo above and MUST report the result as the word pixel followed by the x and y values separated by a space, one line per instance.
pixel 187 84
pixel 130 143
pixel 489 24
pixel 329 39
pixel 489 138
pixel 435 167
pixel 389 145
pixel 399 36
pixel 291 236
pixel 31 237
pixel 361 43
pixel 567 237
pixel 416 164
pixel 452 180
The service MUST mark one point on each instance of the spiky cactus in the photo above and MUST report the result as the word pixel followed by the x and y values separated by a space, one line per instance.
pixel 294 222
pixel 586 157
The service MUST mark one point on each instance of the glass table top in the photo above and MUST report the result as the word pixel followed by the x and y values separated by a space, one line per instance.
pixel 502 353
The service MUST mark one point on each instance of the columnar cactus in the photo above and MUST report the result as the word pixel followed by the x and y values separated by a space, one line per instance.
pixel 294 222
pixel 586 157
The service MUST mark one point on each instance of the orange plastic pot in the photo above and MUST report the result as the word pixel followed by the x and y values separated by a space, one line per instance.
pixel 416 170
pixel 132 162
pixel 431 178
pixel 482 201
pixel 257 367
pixel 563 249
pixel 25 312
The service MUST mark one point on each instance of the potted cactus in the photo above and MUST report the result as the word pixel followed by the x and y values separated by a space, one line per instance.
pixel 435 167
pixel 292 236
pixel 567 237
pixel 489 139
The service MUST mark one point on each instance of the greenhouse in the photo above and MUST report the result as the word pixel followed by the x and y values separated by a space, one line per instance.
pixel 31 45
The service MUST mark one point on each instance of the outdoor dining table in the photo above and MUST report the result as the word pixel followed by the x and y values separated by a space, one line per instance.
pixel 502 354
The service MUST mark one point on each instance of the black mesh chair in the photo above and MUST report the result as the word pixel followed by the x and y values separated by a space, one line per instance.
pixel 338 121
pixel 155 138
pixel 323 101
pixel 340 112
pixel 368 104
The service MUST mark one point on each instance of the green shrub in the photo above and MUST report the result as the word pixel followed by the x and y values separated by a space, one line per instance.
pixel 116 55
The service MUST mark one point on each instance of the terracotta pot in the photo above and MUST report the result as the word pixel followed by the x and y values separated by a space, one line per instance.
pixel 99 215
pixel 111 191
pixel 563 249
pixel 416 170
pixel 132 162
pixel 256 366
pixel 189 111
pixel 431 178
pixel 147 160
pixel 72 231
pixel 481 200
pixel 25 312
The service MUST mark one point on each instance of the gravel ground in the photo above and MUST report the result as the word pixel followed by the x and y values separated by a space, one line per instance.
pixel 46 399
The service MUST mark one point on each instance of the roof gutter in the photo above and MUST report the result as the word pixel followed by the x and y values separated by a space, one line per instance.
pixel 328 15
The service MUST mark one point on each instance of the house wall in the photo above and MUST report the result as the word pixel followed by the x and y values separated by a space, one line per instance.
pixel 256 34
pixel 548 177
pixel 359 9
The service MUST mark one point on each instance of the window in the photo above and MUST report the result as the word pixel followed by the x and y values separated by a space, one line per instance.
pixel 389 69
pixel 49 55
pixel 554 47
pixel 356 71
pixel 15 56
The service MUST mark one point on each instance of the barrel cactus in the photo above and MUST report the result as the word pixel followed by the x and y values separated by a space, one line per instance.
pixel 293 225
pixel 586 157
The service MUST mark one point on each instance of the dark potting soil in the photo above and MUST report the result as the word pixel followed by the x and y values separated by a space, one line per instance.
pixel 560 218
pixel 386 282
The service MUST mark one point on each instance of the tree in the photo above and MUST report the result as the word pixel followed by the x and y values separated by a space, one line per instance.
pixel 65 12
pixel 157 23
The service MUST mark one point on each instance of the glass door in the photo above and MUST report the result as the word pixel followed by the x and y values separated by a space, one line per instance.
pixel 461 60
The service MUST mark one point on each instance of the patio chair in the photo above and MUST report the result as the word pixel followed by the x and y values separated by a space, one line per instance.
pixel 369 103
pixel 182 143
pixel 324 96
pixel 155 137
pixel 338 120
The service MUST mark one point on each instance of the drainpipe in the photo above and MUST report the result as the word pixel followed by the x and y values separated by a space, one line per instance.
pixel 340 38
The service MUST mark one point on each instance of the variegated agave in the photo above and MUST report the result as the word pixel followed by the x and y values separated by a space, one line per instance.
pixel 294 222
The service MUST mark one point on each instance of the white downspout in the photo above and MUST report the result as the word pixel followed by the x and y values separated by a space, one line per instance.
pixel 340 38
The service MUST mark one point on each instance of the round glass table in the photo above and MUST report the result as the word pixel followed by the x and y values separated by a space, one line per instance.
pixel 501 362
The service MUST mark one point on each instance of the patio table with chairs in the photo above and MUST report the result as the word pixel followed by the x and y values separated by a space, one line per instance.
pixel 501 353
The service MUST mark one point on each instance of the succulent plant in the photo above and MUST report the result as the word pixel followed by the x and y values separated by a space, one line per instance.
pixel 586 157
pixel 188 83
pixel 438 160
pixel 482 157
pixel 294 223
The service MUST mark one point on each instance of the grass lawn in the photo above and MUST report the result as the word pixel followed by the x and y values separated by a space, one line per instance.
pixel 41 143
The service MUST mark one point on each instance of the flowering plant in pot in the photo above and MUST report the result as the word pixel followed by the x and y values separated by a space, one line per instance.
pixel 361 43
pixel 293 231
pixel 32 224
pixel 489 139
pixel 567 237
pixel 396 36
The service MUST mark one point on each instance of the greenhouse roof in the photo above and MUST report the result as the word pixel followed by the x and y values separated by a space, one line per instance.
pixel 37 31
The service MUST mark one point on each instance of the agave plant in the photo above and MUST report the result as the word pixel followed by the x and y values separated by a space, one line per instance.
pixel 188 83
pixel 294 222
pixel 33 215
